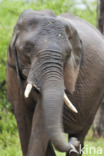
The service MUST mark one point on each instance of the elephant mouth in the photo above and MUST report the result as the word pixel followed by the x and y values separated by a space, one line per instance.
pixel 66 99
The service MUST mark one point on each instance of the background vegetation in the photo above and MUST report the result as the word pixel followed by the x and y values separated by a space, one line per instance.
pixel 9 12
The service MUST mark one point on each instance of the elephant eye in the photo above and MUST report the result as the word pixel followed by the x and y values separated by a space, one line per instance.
pixel 28 47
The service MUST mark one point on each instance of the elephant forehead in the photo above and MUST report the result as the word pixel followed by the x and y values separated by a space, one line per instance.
pixel 47 23
pixel 47 32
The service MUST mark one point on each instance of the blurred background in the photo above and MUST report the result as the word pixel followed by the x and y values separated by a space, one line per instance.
pixel 9 12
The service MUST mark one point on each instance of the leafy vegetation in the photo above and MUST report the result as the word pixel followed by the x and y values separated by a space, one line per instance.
pixel 9 12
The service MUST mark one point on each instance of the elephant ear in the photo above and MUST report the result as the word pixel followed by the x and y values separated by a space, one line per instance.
pixel 72 66
pixel 12 61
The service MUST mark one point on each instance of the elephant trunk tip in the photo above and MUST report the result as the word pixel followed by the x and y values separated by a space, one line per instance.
pixel 63 146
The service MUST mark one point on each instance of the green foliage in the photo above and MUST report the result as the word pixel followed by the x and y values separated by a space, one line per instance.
pixel 9 139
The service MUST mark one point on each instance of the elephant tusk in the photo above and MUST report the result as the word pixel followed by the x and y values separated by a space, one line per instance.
pixel 69 104
pixel 28 90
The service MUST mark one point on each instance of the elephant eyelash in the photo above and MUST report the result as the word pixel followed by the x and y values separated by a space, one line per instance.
pixel 28 47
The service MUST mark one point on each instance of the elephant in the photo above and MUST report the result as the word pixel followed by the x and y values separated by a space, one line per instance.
pixel 53 61
pixel 98 124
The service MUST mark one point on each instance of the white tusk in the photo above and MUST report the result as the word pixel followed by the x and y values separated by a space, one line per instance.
pixel 28 90
pixel 69 104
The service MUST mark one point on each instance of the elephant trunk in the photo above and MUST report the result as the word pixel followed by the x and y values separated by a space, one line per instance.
pixel 52 103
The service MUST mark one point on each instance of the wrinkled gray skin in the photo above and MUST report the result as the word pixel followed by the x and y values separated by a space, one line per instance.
pixel 49 53
pixel 98 124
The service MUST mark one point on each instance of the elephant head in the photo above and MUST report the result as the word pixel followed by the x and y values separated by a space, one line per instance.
pixel 46 51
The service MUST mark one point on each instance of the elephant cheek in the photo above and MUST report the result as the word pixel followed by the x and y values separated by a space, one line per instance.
pixel 70 77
